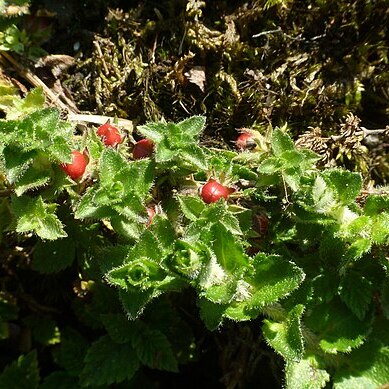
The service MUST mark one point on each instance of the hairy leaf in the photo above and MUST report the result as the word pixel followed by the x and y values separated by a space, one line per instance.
pixel 22 373
pixel 281 142
pixel 134 302
pixel 380 229
pixel 376 204
pixel 53 256
pixel 70 353
pixel 119 328
pixel 192 126
pixel 270 165
pixel 273 279
pixel 346 184
pixel 59 380
pixel 107 362
pixel 337 328
pixel 211 313
pixel 305 374
pixel 286 337
pixel 367 368
pixel 154 349
pixel 356 291
pixel 36 216
pixel 191 206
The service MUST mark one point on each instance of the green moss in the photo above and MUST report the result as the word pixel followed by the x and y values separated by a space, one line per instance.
pixel 308 63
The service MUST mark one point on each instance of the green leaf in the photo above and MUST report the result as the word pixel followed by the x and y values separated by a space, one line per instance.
pixel 231 223
pixel 21 374
pixel 153 131
pixel 286 337
pixel 211 313
pixel 376 204
pixel 291 159
pixel 17 162
pixel 325 287
pixel 111 162
pixel 53 256
pixel 281 142
pixel 270 165
pixel 44 330
pixel 119 328
pixel 380 229
pixel 164 153
pixel 34 100
pixel 177 144
pixel 229 252
pixel 60 150
pixel 336 326
pixel 273 279
pixel 87 208
pixel 305 374
pixel 191 206
pixel 366 368
pixel 237 311
pixel 346 184
pixel 135 176
pixel 45 122
pixel 70 353
pixel 36 216
pixel 195 156
pixel 360 226
pixel 192 126
pixel 356 291
pixel 59 380
pixel 31 179
pixel 134 302
pixel 154 349
pixel 164 234
pixel 146 247
pixel 107 362
pixel 144 275
pixel 323 196
pixel 187 259
pixel 221 294
pixel 358 248
pixel 128 228
pixel 292 177
pixel 141 273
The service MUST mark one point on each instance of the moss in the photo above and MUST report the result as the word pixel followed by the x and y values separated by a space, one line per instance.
pixel 308 63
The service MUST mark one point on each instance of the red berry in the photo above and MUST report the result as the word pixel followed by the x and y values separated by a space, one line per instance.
pixel 245 141
pixel 143 149
pixel 212 191
pixel 75 169
pixel 110 135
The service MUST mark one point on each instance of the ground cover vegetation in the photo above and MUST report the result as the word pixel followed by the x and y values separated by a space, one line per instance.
pixel 194 194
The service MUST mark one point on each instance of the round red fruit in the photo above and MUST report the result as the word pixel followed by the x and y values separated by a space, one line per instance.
pixel 245 141
pixel 109 134
pixel 76 169
pixel 143 149
pixel 212 191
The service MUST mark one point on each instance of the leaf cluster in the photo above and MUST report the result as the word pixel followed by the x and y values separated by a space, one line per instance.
pixel 315 277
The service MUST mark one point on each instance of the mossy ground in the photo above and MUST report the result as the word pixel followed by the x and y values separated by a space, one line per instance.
pixel 253 64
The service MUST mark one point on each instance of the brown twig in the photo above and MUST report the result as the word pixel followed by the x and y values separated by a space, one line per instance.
pixel 6 193
pixel 36 81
